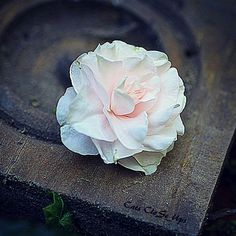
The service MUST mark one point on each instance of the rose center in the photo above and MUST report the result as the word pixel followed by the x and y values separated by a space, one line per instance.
pixel 137 90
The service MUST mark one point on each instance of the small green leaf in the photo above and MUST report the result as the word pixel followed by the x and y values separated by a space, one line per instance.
pixel 66 221
pixel 53 212
pixel 57 216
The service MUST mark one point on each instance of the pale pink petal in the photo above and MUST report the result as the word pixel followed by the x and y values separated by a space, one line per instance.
pixel 160 141
pixel 158 119
pixel 121 102
pixel 136 66
pixel 77 142
pixel 63 105
pixel 98 88
pixel 90 60
pixel 88 64
pixel 142 107
pixel 107 50
pixel 171 117
pixel 162 67
pixel 149 158
pixel 169 89
pixel 86 116
pixel 118 50
pixel 111 73
pixel 179 126
pixel 129 131
pixel 160 60
pixel 146 162
pixel 111 152
pixel 157 55
pixel 77 72
pixel 170 101
pixel 178 108
pixel 81 76
pixel 132 164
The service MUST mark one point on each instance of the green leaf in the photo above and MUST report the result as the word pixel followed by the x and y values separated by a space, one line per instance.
pixel 53 212
pixel 66 221
pixel 56 216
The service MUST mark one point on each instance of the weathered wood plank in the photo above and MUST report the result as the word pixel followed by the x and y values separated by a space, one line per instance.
pixel 109 198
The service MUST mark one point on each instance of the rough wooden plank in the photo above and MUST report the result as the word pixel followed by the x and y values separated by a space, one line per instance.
pixel 109 198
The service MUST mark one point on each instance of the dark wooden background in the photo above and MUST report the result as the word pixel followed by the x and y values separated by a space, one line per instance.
pixel 38 41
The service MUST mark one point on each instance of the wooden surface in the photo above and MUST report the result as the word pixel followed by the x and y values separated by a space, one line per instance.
pixel 199 38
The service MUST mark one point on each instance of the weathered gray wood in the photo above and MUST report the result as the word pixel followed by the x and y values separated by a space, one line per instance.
pixel 198 37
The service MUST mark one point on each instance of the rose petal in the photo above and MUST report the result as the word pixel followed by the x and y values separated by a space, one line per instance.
pixel 112 152
pixel 149 158
pixel 157 55
pixel 130 131
pixel 82 76
pixel 77 142
pixel 146 162
pixel 124 50
pixel 118 50
pixel 132 164
pixel 75 75
pixel 142 107
pixel 160 60
pixel 179 126
pixel 121 102
pixel 134 66
pixel 170 86
pixel 111 72
pixel 63 105
pixel 87 107
pixel 107 50
pixel 90 60
pixel 170 102
pixel 162 140
pixel 157 120
pixel 178 108
pixel 86 115
pixel 87 118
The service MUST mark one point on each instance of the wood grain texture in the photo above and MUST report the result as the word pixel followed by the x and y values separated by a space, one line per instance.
pixel 111 199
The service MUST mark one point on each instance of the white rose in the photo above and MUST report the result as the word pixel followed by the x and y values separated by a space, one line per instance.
pixel 125 105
